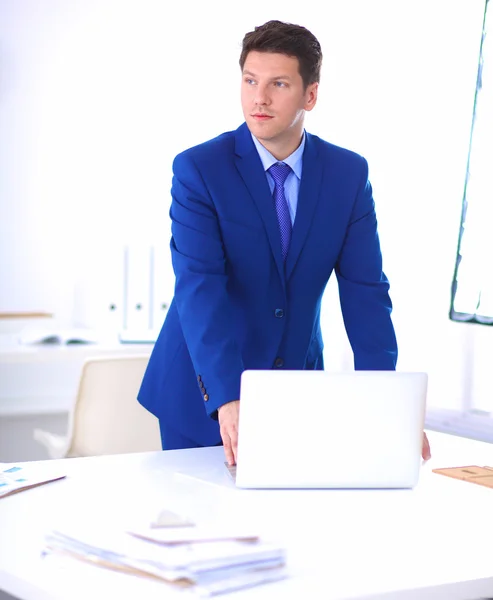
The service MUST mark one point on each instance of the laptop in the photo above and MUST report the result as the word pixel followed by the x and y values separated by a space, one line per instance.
pixel 317 429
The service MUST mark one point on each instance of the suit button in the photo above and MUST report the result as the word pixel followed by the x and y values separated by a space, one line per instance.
pixel 279 362
pixel 206 397
pixel 199 378
pixel 279 313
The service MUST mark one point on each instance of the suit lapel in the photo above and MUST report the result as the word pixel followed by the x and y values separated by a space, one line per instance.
pixel 251 170
pixel 311 177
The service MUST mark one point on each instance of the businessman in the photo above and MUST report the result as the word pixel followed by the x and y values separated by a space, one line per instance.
pixel 261 218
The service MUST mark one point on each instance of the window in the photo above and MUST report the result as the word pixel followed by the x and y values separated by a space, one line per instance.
pixel 472 289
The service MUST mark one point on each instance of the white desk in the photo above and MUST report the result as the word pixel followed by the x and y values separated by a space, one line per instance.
pixel 430 543
pixel 17 353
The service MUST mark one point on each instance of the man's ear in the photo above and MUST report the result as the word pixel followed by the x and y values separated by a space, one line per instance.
pixel 311 95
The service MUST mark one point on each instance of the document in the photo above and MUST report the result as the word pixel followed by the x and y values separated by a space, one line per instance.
pixel 14 479
pixel 472 474
pixel 206 562
pixel 194 535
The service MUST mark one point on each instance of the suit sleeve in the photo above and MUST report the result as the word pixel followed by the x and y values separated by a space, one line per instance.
pixel 364 288
pixel 201 293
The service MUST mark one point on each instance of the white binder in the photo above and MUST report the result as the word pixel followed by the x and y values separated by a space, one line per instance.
pixel 137 288
pixel 162 284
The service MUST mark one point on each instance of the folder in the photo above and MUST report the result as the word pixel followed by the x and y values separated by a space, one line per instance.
pixel 162 284
pixel 137 288
pixel 472 474
pixel 15 479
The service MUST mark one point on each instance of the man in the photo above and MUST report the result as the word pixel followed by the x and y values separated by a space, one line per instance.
pixel 261 216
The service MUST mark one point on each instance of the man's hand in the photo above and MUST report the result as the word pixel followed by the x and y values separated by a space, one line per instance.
pixel 228 415
pixel 426 454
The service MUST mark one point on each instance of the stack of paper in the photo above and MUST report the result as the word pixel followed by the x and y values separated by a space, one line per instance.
pixel 207 561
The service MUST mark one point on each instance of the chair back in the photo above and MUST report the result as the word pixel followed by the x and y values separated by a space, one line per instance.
pixel 107 417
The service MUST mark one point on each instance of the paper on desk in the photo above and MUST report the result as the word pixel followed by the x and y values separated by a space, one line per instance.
pixel 207 567
pixel 31 336
pixel 187 535
pixel 177 559
pixel 14 479
pixel 471 473
pixel 168 518
pixel 216 583
pixel 206 585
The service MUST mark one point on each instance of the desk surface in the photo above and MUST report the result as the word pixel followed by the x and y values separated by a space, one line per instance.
pixel 433 542
pixel 55 353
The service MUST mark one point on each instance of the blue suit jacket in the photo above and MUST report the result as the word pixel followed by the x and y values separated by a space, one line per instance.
pixel 237 305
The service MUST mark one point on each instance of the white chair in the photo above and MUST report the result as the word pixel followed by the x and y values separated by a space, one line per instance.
pixel 106 417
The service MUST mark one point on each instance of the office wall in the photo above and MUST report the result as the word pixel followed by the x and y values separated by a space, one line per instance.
pixel 97 96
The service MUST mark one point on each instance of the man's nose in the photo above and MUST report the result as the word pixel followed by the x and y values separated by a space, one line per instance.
pixel 261 97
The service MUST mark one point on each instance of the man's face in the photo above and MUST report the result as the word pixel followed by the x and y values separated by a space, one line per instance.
pixel 273 97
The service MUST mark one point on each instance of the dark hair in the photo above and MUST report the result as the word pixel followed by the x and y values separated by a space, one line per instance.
pixel 291 40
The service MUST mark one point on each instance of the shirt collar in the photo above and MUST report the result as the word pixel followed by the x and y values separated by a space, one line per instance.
pixel 294 160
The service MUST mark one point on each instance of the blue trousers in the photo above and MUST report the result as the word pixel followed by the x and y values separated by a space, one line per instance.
pixel 174 440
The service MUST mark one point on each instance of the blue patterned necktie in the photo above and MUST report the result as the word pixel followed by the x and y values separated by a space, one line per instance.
pixel 279 172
